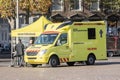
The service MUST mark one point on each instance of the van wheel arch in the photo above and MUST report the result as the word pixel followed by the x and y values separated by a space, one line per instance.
pixel 91 59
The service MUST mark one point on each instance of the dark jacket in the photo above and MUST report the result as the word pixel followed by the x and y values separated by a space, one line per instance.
pixel 19 48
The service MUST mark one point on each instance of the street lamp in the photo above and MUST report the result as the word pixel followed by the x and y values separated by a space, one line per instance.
pixel 17 18
pixel 17 26
pixel 17 15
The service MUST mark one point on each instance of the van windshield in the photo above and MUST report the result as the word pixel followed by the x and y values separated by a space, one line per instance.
pixel 46 39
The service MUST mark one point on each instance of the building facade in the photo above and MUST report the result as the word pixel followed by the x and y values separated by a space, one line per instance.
pixel 79 10
pixel 4 33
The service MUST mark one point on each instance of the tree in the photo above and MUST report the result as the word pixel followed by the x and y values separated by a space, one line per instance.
pixel 31 6
pixel 35 5
pixel 8 8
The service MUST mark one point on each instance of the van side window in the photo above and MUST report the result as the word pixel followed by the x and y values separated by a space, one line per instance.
pixel 91 33
pixel 62 39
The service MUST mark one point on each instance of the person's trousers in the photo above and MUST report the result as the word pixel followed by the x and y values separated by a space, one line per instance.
pixel 18 60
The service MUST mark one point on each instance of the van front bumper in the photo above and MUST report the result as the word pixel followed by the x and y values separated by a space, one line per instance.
pixel 36 59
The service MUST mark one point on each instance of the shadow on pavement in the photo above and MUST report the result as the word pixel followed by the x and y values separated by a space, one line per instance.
pixel 107 63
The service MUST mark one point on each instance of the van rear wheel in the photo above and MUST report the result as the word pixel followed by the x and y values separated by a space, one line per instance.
pixel 90 60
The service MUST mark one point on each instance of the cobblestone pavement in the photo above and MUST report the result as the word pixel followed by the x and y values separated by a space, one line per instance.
pixel 102 70
pixel 5 59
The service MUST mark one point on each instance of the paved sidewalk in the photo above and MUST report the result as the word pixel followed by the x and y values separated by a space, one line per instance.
pixel 5 59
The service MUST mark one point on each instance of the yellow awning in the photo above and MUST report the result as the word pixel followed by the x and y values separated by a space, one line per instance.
pixel 32 30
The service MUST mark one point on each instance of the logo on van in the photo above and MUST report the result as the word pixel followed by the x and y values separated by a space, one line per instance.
pixel 101 32
pixel 77 30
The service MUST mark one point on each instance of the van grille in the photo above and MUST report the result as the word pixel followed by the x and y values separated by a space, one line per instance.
pixel 32 53
pixel 31 58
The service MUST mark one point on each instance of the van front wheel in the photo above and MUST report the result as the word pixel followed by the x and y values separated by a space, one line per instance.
pixel 90 60
pixel 53 61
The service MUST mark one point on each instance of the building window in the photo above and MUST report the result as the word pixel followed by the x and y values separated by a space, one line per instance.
pixel 57 5
pixel 3 21
pixel 35 19
pixel 2 36
pixel 5 33
pixel 95 5
pixel 76 5
pixel 22 20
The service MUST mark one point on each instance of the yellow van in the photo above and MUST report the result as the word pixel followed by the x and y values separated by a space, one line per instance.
pixel 68 43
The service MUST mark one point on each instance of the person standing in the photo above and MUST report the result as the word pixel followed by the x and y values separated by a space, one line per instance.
pixel 31 42
pixel 19 48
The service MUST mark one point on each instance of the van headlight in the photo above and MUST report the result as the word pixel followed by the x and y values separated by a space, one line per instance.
pixel 42 52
